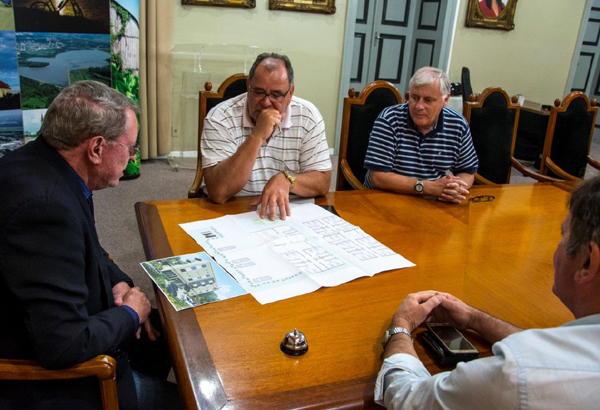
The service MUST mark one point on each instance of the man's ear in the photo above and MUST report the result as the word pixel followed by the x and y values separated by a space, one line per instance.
pixel 292 90
pixel 95 147
pixel 590 264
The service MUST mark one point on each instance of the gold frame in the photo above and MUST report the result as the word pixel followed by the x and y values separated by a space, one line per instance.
pixel 505 21
pixel 311 6
pixel 244 4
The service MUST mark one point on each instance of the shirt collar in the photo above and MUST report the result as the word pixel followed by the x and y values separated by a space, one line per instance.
pixel 438 126
pixel 86 191
pixel 285 123
pixel 587 320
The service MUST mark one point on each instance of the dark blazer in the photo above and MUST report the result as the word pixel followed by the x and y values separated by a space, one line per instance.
pixel 56 280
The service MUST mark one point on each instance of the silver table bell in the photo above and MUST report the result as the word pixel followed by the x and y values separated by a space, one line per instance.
pixel 294 344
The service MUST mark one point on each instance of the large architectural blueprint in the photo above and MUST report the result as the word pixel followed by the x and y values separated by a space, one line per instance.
pixel 275 260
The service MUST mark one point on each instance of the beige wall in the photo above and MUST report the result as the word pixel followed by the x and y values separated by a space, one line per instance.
pixel 534 59
pixel 314 43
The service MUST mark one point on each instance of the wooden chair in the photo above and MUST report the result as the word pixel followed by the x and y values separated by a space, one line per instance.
pixel 568 138
pixel 103 367
pixel 231 87
pixel 360 113
pixel 493 119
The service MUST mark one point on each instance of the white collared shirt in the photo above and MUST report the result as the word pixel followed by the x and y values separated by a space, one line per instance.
pixel 298 144
pixel 556 368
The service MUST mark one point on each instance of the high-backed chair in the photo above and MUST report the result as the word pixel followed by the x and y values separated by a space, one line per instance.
pixel 103 367
pixel 360 113
pixel 493 119
pixel 465 77
pixel 231 87
pixel 568 138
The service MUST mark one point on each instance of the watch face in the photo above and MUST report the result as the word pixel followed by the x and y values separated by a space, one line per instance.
pixel 291 173
pixel 419 187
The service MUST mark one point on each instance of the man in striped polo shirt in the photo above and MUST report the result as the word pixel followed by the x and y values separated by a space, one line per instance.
pixel 421 147
pixel 266 142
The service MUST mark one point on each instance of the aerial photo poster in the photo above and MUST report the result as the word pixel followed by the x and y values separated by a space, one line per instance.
pixel 45 45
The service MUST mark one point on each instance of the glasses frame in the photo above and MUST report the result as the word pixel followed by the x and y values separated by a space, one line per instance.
pixel 133 149
pixel 270 96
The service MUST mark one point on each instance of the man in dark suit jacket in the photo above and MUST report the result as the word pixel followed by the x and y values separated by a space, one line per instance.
pixel 63 301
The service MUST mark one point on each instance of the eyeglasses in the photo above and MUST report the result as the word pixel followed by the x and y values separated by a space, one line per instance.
pixel 132 149
pixel 275 96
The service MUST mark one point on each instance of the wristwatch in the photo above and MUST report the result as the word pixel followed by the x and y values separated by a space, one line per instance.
pixel 291 177
pixel 419 187
pixel 394 331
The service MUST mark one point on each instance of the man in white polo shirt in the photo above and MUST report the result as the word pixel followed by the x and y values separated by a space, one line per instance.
pixel 266 142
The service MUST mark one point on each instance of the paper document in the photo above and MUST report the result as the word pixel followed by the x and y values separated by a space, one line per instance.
pixel 276 260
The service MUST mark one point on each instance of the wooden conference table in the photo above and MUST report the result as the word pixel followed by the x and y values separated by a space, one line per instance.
pixel 495 255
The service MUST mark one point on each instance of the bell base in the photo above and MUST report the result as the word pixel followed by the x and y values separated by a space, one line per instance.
pixel 292 352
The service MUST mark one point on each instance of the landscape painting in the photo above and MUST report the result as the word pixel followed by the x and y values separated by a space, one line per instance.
pixel 7 21
pixel 10 89
pixel 32 122
pixel 65 16
pixel 11 123
pixel 11 131
pixel 48 62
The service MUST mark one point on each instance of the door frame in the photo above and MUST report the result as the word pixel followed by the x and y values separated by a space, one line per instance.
pixel 575 60
pixel 450 21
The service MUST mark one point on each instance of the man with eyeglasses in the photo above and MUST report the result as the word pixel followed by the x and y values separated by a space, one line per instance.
pixel 63 300
pixel 266 142
pixel 421 147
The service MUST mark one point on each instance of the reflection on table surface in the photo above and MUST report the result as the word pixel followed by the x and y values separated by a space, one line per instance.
pixel 496 255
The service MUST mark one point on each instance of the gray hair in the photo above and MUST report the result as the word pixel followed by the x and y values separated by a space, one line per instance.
pixel 273 65
pixel 428 75
pixel 584 205
pixel 83 110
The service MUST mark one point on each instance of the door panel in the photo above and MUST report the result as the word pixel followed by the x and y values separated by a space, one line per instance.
pixel 587 72
pixel 394 38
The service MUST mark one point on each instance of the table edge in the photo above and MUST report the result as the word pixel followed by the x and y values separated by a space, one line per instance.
pixel 191 341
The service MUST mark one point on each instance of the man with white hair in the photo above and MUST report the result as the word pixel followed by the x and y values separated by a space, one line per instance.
pixel 422 147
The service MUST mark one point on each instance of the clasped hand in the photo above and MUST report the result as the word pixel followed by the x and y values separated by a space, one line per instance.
pixel 432 306
pixel 138 301
pixel 451 189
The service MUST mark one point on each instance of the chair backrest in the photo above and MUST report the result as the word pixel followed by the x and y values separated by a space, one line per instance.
pixel 360 113
pixel 465 78
pixel 231 87
pixel 569 135
pixel 102 367
pixel 493 119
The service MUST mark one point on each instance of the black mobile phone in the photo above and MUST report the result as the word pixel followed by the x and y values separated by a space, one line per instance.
pixel 448 345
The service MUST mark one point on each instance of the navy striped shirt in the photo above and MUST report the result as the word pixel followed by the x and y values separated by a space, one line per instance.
pixel 396 146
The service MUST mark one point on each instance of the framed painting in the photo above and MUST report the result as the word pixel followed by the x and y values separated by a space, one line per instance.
pixel 244 4
pixel 311 6
pixel 497 14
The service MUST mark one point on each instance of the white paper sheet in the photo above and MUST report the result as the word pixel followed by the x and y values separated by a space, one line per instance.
pixel 276 260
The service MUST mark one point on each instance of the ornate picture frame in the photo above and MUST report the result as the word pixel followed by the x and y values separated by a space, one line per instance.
pixel 496 14
pixel 311 6
pixel 244 4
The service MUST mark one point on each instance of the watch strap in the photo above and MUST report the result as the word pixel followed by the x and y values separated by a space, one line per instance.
pixel 290 178
pixel 394 331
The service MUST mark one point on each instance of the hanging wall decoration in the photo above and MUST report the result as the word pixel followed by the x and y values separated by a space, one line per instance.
pixel 498 14
pixel 245 4
pixel 311 6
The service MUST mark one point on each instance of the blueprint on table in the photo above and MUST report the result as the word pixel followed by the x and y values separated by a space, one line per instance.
pixel 276 260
